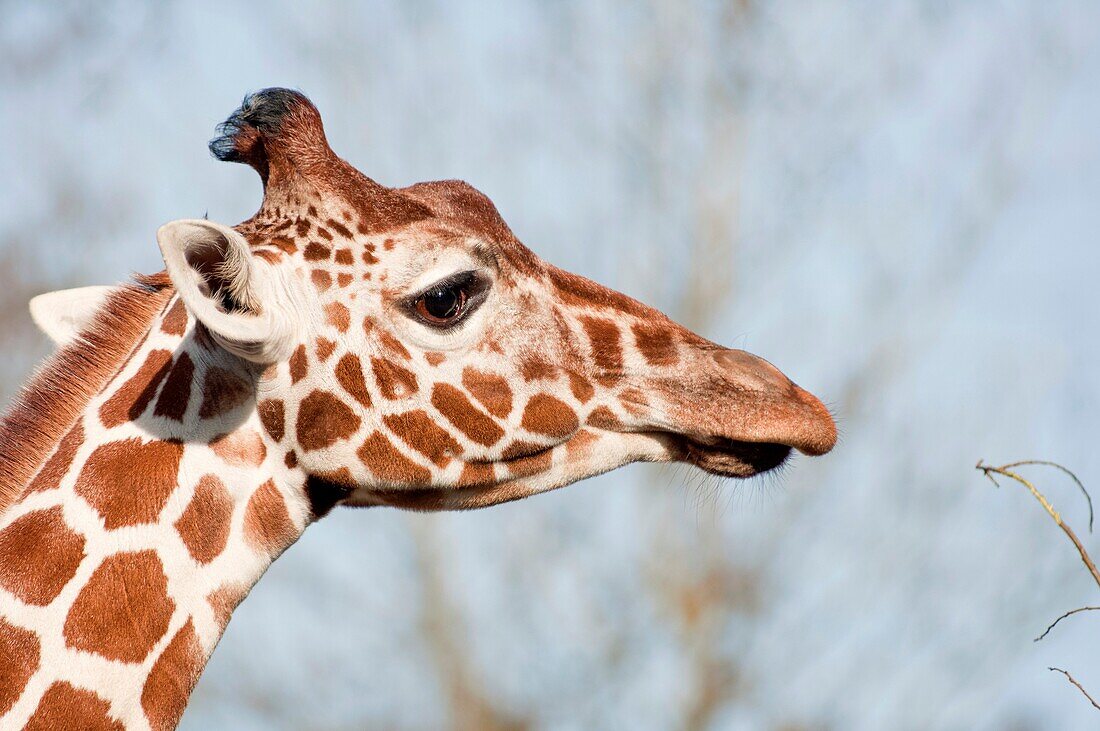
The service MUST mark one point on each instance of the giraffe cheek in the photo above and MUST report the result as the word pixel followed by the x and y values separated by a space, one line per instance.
pixel 394 381
pixel 417 429
pixel 323 419
pixel 549 417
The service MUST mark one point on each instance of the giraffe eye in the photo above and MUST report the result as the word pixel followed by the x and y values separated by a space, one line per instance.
pixel 446 303
pixel 442 304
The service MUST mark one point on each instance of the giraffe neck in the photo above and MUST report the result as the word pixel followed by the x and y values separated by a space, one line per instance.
pixel 123 558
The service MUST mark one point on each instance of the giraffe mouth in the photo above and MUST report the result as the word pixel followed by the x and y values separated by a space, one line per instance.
pixel 731 457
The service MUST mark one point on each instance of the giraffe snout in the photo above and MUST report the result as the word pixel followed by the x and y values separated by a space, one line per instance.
pixel 767 406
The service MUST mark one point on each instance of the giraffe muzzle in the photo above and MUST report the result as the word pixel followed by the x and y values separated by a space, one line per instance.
pixel 765 406
pixel 758 416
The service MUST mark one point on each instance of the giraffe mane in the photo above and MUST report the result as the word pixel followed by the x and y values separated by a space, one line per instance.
pixel 50 402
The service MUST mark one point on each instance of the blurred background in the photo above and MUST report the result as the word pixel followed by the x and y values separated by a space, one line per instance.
pixel 897 203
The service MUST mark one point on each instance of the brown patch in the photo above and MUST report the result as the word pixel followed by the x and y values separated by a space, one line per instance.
pixel 123 610
pixel 656 344
pixel 324 233
pixel 317 252
pixel 477 474
pixel 291 459
pixel 534 369
pixel 267 524
pixel 175 320
pixel 64 705
pixel 634 401
pixel 301 227
pixel 171 679
pixel 21 653
pixel 273 418
pixel 222 391
pixel 388 244
pixel 491 391
pixel 130 401
pixel 176 394
pixel 323 419
pixel 241 448
pixel 578 445
pixel 550 416
pixel 59 463
pixel 324 348
pixel 224 600
pixel 604 418
pixel 393 381
pixel 577 291
pixel 582 389
pixel 128 482
pixel 349 372
pixel 418 430
pixel 458 410
pixel 51 402
pixel 39 554
pixel 321 279
pixel 204 525
pixel 269 255
pixel 607 352
pixel 337 315
pixel 368 256
pixel 341 230
pixel 284 244
pixel 388 464
pixel 392 344
pixel 299 364
pixel 344 256
pixel 343 279
pixel 434 358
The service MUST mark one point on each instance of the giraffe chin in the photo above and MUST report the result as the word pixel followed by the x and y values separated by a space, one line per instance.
pixel 732 458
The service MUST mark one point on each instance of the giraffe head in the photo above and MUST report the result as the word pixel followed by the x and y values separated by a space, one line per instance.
pixel 414 353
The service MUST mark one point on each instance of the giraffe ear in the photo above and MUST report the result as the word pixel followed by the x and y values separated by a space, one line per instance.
pixel 64 314
pixel 237 296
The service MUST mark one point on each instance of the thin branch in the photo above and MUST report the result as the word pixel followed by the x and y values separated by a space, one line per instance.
pixel 1065 470
pixel 1005 470
pixel 1070 612
pixel 1071 679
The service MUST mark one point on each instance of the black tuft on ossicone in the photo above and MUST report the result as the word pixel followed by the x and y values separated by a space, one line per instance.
pixel 261 112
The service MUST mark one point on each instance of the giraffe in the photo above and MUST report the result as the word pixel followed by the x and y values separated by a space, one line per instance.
pixel 350 344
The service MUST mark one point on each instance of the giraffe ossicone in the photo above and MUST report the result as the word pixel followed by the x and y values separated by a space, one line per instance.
pixel 350 344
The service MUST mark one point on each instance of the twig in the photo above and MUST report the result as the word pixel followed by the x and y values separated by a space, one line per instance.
pixel 1005 470
pixel 1065 470
pixel 1072 611
pixel 1071 679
